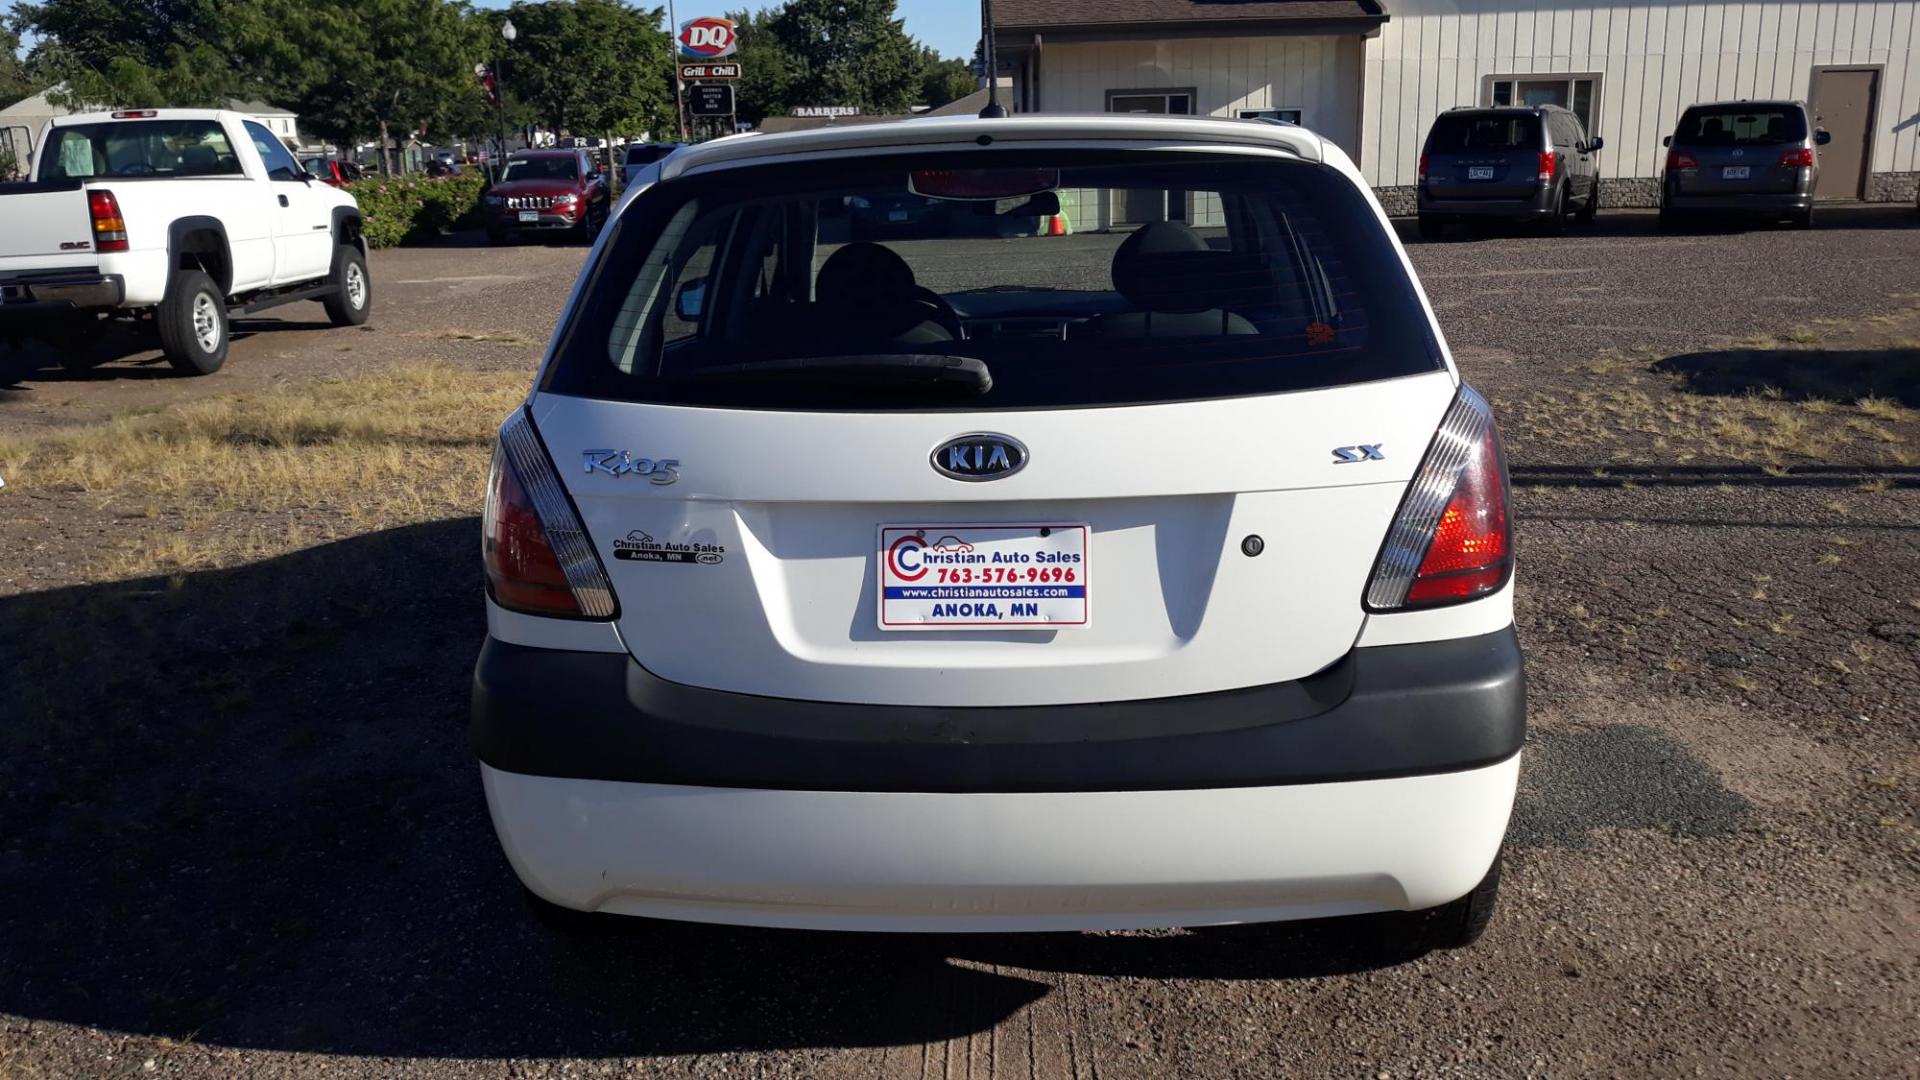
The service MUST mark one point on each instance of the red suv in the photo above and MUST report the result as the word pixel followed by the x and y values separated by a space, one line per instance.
pixel 548 190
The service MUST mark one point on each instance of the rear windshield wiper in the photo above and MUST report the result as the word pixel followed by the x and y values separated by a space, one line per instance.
pixel 963 374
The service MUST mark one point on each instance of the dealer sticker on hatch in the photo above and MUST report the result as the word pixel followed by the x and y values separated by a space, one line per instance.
pixel 982 577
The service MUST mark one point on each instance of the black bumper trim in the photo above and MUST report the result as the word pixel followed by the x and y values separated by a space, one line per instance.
pixel 1397 710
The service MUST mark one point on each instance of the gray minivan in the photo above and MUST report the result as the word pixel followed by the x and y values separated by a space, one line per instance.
pixel 1508 163
pixel 1742 157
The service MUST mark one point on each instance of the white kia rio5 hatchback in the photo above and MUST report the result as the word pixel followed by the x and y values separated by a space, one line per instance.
pixel 1038 523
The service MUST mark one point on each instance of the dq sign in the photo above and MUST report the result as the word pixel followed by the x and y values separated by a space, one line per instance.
pixel 708 38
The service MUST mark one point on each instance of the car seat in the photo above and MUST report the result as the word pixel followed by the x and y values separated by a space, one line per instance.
pixel 1181 287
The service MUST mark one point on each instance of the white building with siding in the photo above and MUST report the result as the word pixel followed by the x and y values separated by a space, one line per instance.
pixel 1372 74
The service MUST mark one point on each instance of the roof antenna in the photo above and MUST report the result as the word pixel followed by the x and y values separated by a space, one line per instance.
pixel 994 110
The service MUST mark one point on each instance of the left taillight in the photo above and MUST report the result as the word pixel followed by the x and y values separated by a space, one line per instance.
pixel 537 554
pixel 1452 539
pixel 109 228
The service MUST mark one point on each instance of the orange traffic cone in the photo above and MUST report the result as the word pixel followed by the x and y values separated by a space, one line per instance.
pixel 1057 225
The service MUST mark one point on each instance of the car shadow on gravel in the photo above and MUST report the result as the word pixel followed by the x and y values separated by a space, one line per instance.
pixel 238 807
pixel 102 360
pixel 1802 374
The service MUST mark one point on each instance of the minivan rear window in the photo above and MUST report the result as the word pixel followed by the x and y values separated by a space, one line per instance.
pixel 1455 132
pixel 1742 125
pixel 1011 279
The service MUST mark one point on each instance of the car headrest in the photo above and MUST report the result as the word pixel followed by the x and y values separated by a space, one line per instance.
pixel 863 273
pixel 1166 266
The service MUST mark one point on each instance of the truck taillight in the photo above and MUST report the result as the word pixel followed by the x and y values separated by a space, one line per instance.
pixel 1680 159
pixel 1800 158
pixel 109 228
pixel 537 554
pixel 1451 540
pixel 1548 163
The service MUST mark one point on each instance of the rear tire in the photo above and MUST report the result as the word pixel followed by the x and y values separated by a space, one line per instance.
pixel 1460 924
pixel 1803 219
pixel 1592 206
pixel 192 322
pixel 353 301
pixel 1430 227
pixel 77 344
pixel 1557 225
pixel 496 237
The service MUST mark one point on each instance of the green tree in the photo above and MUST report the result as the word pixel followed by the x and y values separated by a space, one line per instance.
pixel 849 52
pixel 767 70
pixel 17 78
pixel 942 81
pixel 135 52
pixel 592 66
pixel 351 68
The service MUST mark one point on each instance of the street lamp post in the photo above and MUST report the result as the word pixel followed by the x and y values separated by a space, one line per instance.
pixel 509 32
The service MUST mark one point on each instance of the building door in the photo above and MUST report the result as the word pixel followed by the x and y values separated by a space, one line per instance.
pixel 1141 207
pixel 1843 103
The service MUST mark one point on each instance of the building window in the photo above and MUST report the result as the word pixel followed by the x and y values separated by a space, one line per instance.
pixel 1577 91
pixel 1291 116
pixel 1158 102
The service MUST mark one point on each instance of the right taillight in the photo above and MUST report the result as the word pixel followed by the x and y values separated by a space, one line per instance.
pixel 1801 158
pixel 1680 159
pixel 1548 163
pixel 1451 540
pixel 537 554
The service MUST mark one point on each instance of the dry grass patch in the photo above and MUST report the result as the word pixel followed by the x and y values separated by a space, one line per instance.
pixel 250 475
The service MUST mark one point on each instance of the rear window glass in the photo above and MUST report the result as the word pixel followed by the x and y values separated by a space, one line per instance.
pixel 1742 125
pixel 1093 279
pixel 1485 131
pixel 131 148
pixel 554 168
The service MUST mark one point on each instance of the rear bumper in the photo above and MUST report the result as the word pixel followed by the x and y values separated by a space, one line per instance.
pixel 28 297
pixel 1740 203
pixel 1538 204
pixel 828 860
pixel 1380 712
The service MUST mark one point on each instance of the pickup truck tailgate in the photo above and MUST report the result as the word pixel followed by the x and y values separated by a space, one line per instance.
pixel 36 219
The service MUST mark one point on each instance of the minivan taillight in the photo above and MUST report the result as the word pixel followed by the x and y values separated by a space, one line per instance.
pixel 109 228
pixel 1451 540
pixel 1547 165
pixel 1423 166
pixel 536 551
pixel 1680 159
pixel 1798 158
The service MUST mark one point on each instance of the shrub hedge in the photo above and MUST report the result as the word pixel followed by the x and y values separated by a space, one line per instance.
pixel 415 209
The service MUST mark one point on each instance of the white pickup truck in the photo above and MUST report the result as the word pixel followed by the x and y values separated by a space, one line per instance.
pixel 177 218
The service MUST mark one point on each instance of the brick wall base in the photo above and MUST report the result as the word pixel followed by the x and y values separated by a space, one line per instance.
pixel 1622 193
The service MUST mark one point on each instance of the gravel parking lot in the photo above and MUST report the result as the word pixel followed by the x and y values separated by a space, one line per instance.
pixel 241 832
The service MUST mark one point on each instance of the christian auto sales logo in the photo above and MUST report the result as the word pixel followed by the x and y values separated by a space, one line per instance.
pixel 638 546
pixel 908 554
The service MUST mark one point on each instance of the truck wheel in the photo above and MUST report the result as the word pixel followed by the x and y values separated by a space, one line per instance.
pixel 352 301
pixel 78 344
pixel 1459 924
pixel 192 321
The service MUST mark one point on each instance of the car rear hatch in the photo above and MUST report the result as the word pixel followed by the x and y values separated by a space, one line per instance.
pixel 1108 514
pixel 1740 150
pixel 1490 155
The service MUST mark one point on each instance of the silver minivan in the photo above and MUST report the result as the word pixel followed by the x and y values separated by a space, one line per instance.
pixel 1754 158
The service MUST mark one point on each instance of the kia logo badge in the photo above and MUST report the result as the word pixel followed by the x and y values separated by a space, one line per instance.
pixel 979 455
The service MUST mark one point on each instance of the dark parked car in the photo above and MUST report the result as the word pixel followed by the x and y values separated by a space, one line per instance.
pixel 900 213
pixel 547 190
pixel 641 155
pixel 1520 163
pixel 1742 157
pixel 331 171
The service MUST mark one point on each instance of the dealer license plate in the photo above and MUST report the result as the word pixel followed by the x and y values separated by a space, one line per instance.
pixel 1480 172
pixel 1734 172
pixel 530 216
pixel 982 577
